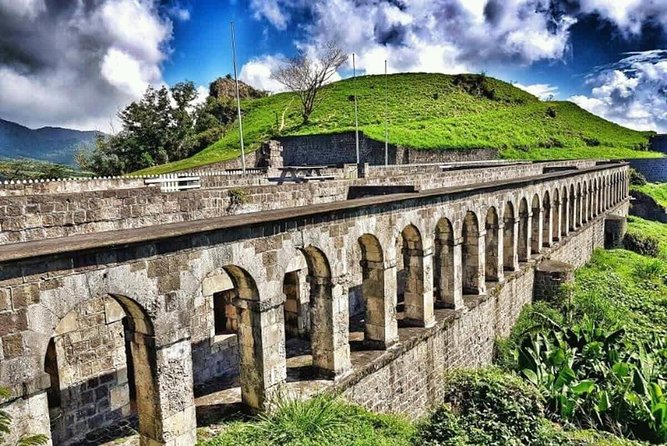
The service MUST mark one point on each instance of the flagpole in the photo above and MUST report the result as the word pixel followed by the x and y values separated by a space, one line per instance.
pixel 356 118
pixel 238 98
pixel 386 120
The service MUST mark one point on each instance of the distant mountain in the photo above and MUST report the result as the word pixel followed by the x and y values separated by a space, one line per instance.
pixel 53 144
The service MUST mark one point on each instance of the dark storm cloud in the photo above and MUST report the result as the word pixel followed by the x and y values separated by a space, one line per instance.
pixel 75 63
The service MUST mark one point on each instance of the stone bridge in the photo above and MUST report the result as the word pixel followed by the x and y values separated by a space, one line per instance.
pixel 373 297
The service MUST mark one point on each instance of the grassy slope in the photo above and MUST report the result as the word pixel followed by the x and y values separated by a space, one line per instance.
pixel 656 190
pixel 427 111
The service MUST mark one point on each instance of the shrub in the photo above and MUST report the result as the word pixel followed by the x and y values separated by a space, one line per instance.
pixel 637 178
pixel 493 408
pixel 642 244
pixel 551 112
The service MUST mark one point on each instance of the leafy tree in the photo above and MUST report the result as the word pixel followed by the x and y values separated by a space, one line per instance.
pixel 306 74
pixel 157 129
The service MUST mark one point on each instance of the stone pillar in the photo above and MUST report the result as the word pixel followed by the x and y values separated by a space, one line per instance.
pixel 555 221
pixel 261 339
pixel 494 260
pixel 566 218
pixel 272 154
pixel 550 276
pixel 615 228
pixel 547 230
pixel 448 291
pixel 165 397
pixel 379 289
pixel 510 254
pixel 524 237
pixel 330 336
pixel 536 233
pixel 418 294
pixel 474 264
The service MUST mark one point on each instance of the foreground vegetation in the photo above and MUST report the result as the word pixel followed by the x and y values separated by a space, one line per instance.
pixel 433 111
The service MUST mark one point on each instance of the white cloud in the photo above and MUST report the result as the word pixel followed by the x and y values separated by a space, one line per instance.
pixel 83 61
pixel 542 91
pixel 627 15
pixel 429 35
pixel 257 73
pixel 631 92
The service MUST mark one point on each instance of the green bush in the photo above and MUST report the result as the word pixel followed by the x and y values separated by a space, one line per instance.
pixel 492 408
pixel 642 244
pixel 637 178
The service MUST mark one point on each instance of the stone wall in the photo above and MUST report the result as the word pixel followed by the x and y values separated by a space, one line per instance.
pixel 659 143
pixel 340 148
pixel 654 169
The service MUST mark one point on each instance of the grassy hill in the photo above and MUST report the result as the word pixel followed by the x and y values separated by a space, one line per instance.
pixel 434 111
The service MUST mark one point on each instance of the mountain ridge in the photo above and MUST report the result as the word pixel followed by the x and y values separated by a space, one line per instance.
pixel 49 143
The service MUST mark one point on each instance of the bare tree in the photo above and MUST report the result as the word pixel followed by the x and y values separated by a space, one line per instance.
pixel 305 74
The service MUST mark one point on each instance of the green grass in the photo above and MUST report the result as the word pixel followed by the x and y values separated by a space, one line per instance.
pixel 658 191
pixel 428 111
pixel 321 421
pixel 652 229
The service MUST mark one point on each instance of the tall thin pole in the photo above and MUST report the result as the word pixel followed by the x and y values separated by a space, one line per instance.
pixel 386 119
pixel 356 114
pixel 238 99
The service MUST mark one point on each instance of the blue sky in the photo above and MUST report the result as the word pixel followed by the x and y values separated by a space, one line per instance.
pixel 63 63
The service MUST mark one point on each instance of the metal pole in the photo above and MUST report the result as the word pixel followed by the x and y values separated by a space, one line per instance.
pixel 356 117
pixel 238 99
pixel 386 119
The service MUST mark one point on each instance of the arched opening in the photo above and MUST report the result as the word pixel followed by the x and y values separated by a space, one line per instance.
pixel 447 294
pixel 555 212
pixel 296 316
pixel 473 269
pixel 509 245
pixel 564 211
pixel 536 226
pixel 524 233
pixel 417 294
pixel 493 267
pixel 547 229
pixel 100 361
pixel 380 327
pixel 572 210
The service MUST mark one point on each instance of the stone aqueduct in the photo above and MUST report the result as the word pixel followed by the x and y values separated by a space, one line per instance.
pixel 386 292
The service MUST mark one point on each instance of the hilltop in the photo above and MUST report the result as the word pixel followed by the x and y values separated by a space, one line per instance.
pixel 436 112
pixel 52 144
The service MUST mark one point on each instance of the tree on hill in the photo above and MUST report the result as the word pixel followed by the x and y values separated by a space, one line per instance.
pixel 156 129
pixel 305 74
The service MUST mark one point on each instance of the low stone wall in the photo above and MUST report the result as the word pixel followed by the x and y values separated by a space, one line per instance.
pixel 409 377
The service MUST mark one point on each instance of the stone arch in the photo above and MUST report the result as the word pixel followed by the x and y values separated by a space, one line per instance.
pixel 536 225
pixel 510 262
pixel 572 209
pixel 547 221
pixel 119 335
pixel 493 253
pixel 472 255
pixel 418 292
pixel 523 245
pixel 327 316
pixel 447 251
pixel 380 325
pixel 556 216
